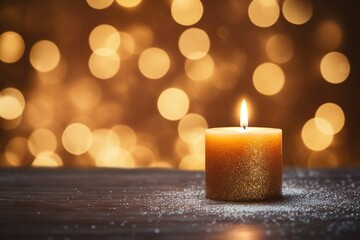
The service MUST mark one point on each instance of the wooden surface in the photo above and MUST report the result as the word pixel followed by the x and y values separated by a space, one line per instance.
pixel 164 204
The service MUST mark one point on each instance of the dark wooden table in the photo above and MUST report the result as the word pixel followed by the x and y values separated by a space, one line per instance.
pixel 165 204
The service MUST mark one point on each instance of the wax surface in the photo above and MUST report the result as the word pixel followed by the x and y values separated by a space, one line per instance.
pixel 243 165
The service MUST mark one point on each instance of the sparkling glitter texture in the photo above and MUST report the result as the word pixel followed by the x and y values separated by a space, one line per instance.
pixel 243 165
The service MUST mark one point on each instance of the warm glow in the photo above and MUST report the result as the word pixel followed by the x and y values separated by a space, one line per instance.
pixel 104 66
pixel 194 43
pixel 114 157
pixel 328 35
pixel 154 63
pixel 226 76
pixel 127 46
pixel 279 48
pixel 12 103
pixel 268 79
pixel 105 143
pixel 77 138
pixel 12 47
pixel 332 113
pixel 186 12
pixel 200 69
pixel 99 4
pixel 335 67
pixel 190 126
pixel 142 35
pixel 85 93
pixel 244 119
pixel 323 159
pixel 143 156
pixel 126 135
pixel 173 104
pixel 192 162
pixel 47 159
pixel 44 56
pixel 297 11
pixel 314 136
pixel 128 3
pixel 16 151
pixel 42 140
pixel 264 13
pixel 104 39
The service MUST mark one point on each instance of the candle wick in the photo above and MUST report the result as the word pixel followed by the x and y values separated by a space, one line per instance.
pixel 244 127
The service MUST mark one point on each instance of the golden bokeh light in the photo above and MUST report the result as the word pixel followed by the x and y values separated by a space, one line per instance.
pixel 162 164
pixel 12 103
pixel 126 135
pixel 47 159
pixel 44 56
pixel 42 140
pixel 104 66
pixel 314 138
pixel 143 156
pixel 128 3
pixel 142 35
pixel 190 126
pixel 16 151
pixel 200 69
pixel 103 139
pixel 279 48
pixel 54 76
pixel 104 40
pixel 127 45
pixel 264 13
pixel 328 35
pixel 186 12
pixel 268 79
pixel 99 4
pixel 114 157
pixel 322 159
pixel 76 138
pixel 173 104
pixel 194 43
pixel 332 113
pixel 335 67
pixel 85 93
pixel 12 47
pixel 154 63
pixel 197 145
pixel 192 162
pixel 297 11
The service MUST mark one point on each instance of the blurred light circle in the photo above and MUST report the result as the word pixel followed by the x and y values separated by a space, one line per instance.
pixel 173 104
pixel 142 35
pixel 194 43
pixel 102 140
pixel 104 66
pixel 227 76
pixel 99 4
pixel 104 39
pixel 114 157
pixel 12 103
pixel 190 126
pixel 279 48
pixel 186 12
pixel 42 140
pixel 328 35
pixel 47 159
pixel 297 11
pixel 143 156
pixel 128 3
pixel 127 45
pixel 77 138
pixel 264 13
pixel 200 69
pixel 12 47
pixel 126 135
pixel 192 162
pixel 154 63
pixel 44 56
pixel 268 79
pixel 315 138
pixel 335 67
pixel 16 151
pixel 332 113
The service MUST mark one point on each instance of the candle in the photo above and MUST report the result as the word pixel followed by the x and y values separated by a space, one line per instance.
pixel 243 163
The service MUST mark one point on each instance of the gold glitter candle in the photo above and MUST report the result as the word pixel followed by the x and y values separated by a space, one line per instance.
pixel 243 163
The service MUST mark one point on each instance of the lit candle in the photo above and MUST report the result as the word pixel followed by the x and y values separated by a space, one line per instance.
pixel 243 163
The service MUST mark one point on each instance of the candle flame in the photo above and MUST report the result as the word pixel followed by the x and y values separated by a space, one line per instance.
pixel 243 115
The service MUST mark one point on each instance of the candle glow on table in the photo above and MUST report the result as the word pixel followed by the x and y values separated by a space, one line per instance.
pixel 243 163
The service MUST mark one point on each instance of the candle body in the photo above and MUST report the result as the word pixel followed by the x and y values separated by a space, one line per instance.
pixel 243 164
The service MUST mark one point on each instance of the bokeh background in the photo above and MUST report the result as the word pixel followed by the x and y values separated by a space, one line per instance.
pixel 131 83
